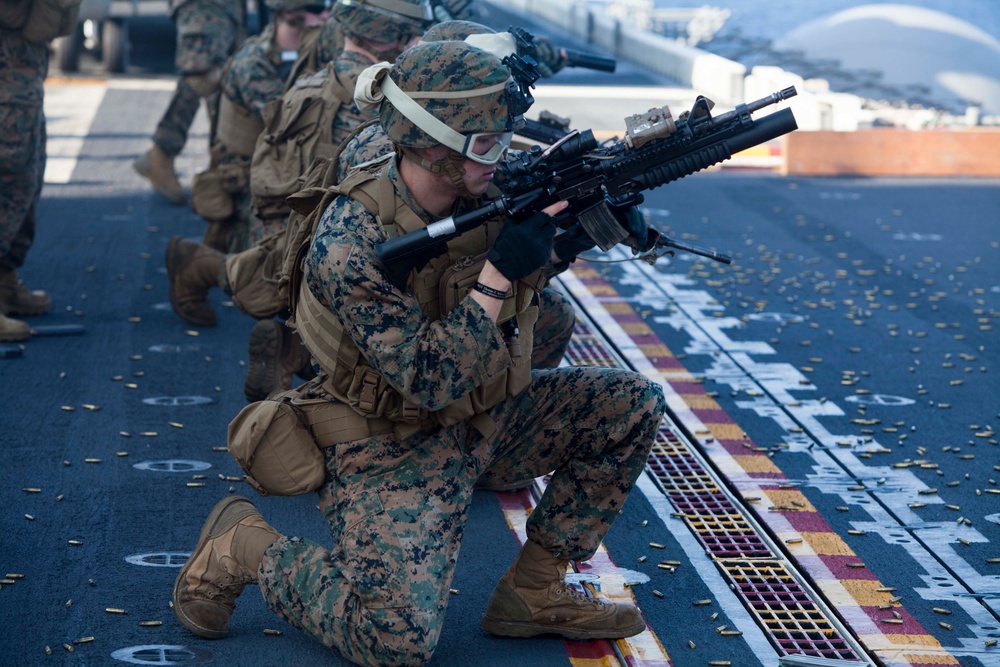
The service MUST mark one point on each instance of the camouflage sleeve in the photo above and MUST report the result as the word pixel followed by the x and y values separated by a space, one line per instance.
pixel 430 363
pixel 253 80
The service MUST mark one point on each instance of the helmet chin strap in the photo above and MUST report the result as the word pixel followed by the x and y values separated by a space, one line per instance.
pixel 452 166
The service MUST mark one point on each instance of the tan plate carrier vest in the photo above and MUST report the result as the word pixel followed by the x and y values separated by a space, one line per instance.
pixel 438 287
pixel 236 129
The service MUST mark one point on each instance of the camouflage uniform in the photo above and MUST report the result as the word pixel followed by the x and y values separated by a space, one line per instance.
pixel 556 315
pixel 255 75
pixel 23 66
pixel 208 31
pixel 397 508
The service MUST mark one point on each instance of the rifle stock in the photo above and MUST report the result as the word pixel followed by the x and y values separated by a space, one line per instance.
pixel 575 169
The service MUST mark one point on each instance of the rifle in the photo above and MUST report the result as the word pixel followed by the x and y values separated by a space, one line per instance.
pixel 656 150
pixel 526 47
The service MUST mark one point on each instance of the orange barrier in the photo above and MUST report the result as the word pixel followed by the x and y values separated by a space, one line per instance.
pixel 894 152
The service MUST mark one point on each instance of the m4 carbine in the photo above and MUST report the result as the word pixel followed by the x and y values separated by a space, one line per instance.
pixel 656 150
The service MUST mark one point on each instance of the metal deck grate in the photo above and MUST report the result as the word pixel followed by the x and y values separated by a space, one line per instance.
pixel 782 607
pixel 790 616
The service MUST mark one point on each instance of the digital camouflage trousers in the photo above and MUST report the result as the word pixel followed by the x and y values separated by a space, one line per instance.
pixel 397 510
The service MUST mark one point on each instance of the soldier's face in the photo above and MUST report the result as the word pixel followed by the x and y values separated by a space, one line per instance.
pixel 477 176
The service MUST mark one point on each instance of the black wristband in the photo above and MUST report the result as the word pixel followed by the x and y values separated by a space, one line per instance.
pixel 489 291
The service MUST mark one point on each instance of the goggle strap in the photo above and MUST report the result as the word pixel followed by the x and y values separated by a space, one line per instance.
pixel 424 119
pixel 457 94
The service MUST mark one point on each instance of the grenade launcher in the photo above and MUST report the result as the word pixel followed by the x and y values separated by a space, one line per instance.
pixel 656 150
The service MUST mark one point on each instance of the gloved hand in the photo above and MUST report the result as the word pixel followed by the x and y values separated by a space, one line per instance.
pixel 459 10
pixel 640 236
pixel 523 247
pixel 549 57
pixel 571 243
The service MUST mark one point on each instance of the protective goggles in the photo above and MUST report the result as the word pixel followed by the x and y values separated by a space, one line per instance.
pixel 481 147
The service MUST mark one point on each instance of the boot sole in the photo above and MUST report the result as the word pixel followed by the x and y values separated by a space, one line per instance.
pixel 213 527
pixel 513 629
pixel 262 367
pixel 15 338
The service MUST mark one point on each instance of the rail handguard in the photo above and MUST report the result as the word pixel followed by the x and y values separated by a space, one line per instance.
pixel 656 150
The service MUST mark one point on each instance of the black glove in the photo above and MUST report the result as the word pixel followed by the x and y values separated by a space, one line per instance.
pixel 571 243
pixel 523 247
pixel 549 57
pixel 640 236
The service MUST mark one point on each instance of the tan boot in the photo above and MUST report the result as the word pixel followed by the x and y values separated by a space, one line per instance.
pixel 16 299
pixel 276 354
pixel 158 168
pixel 226 558
pixel 13 330
pixel 193 269
pixel 532 598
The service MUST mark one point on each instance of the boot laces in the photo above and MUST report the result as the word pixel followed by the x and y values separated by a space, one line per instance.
pixel 573 594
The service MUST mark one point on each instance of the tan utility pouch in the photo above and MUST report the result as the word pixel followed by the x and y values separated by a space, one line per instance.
pixel 212 191
pixel 50 19
pixel 271 441
pixel 253 277
pixel 278 442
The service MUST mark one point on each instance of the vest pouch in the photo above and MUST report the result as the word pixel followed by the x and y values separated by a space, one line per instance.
pixel 459 279
pixel 253 277
pixel 209 197
pixel 274 447
pixel 50 19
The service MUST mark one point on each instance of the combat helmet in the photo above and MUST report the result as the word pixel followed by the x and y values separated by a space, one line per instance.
pixel 454 31
pixel 454 94
pixel 383 21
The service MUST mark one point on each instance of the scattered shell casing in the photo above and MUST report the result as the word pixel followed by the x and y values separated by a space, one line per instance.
pixel 68 647
pixel 886 589
pixel 453 591
pixel 731 633
pixel 83 640
pixel 92 460
pixel 701 603
pixel 657 593
pixel 893 621
pixel 48 650
pixel 990 642
pixel 939 610
pixel 74 543
pixel 150 624
pixel 176 424
pixel 793 540
pixel 656 545
pixel 719 663
pixel 115 610
pixel 273 633
pixel 946 626
pixel 715 615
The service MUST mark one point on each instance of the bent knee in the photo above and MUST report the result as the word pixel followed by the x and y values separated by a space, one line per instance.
pixel 407 639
